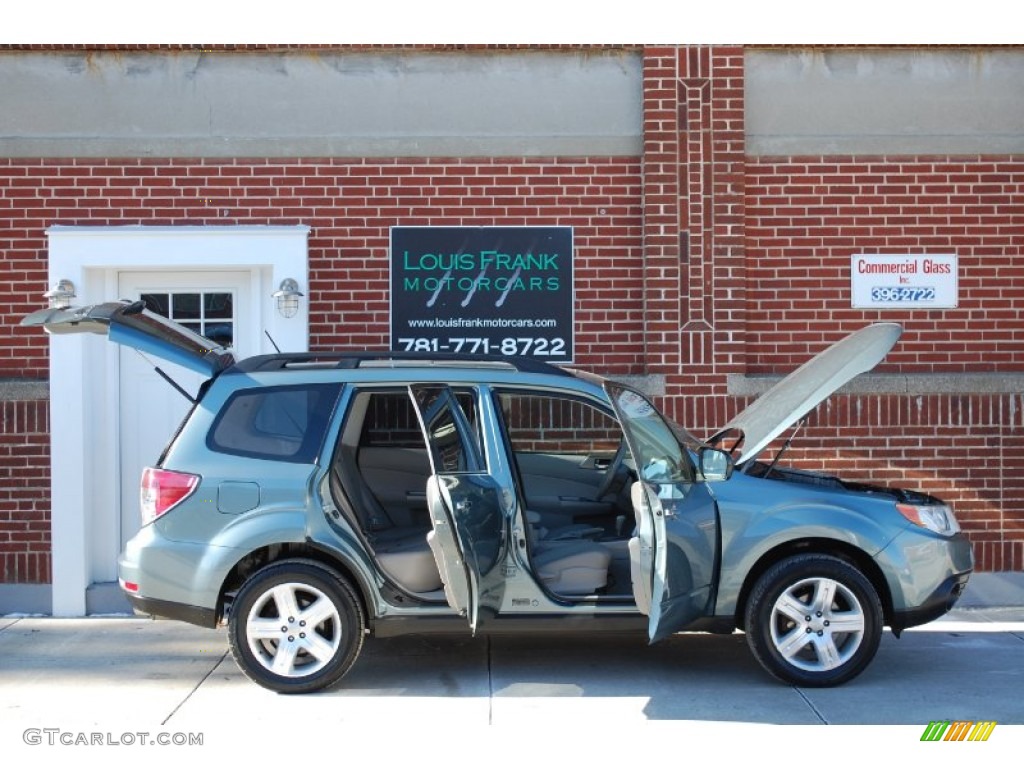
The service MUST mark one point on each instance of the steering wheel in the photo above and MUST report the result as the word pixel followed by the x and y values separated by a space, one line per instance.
pixel 611 474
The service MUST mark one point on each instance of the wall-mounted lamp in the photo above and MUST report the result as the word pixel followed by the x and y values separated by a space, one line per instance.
pixel 60 296
pixel 287 297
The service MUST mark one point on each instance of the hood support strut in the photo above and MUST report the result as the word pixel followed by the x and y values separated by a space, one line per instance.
pixel 782 450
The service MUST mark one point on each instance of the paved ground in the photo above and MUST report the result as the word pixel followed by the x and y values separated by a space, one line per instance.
pixel 79 680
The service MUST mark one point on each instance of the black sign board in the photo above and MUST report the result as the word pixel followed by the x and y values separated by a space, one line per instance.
pixel 483 290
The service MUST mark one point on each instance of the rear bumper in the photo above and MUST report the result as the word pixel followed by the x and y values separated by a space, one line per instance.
pixel 165 579
pixel 192 614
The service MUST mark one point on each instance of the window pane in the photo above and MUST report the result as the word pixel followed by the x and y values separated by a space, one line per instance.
pixel 218 306
pixel 283 423
pixel 453 449
pixel 558 425
pixel 158 303
pixel 185 306
pixel 222 332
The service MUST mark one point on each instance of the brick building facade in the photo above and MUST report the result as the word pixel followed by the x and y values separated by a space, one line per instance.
pixel 711 254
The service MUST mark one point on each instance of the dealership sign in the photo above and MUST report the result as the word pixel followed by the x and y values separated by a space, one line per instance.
pixel 907 281
pixel 483 290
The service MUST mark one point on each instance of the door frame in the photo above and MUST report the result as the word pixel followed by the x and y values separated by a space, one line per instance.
pixel 84 372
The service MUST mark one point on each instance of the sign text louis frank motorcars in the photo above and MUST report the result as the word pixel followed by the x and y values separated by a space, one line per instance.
pixel 483 290
pixel 903 281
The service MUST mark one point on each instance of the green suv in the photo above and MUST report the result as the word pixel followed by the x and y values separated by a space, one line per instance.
pixel 310 499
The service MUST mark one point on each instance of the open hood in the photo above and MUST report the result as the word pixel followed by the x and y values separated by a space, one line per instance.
pixel 131 324
pixel 797 394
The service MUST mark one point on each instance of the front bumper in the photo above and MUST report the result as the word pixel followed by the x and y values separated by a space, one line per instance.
pixel 926 573
pixel 938 604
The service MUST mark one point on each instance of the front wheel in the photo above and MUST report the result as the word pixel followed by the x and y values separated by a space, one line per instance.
pixel 814 620
pixel 295 627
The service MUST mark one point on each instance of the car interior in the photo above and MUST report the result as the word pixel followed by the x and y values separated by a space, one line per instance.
pixel 571 465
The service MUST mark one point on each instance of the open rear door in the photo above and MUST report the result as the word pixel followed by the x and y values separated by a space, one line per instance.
pixel 132 325
pixel 465 502
pixel 674 552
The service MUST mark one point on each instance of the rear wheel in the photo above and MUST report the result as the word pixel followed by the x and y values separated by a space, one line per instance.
pixel 814 620
pixel 296 627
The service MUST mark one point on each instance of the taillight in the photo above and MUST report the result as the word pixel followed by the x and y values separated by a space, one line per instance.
pixel 162 490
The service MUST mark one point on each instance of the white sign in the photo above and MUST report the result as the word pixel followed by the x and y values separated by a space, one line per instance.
pixel 903 281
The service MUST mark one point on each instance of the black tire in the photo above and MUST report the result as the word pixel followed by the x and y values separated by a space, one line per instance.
pixel 287 655
pixel 796 615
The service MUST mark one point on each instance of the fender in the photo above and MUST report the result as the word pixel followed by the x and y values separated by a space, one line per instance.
pixel 264 528
pixel 745 541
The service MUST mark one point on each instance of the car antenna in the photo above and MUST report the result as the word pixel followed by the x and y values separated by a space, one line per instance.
pixel 272 341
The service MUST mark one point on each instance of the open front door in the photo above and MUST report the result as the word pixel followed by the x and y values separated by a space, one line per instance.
pixel 674 552
pixel 465 502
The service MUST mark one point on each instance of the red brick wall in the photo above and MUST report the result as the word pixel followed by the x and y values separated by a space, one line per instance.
pixel 693 215
pixel 24 492
pixel 741 266
pixel 807 216
pixel 350 206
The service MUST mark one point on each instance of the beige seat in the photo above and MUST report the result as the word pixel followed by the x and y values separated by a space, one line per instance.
pixel 569 532
pixel 571 568
pixel 407 558
pixel 565 560
pixel 403 553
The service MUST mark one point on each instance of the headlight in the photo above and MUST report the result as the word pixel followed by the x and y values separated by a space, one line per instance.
pixel 935 517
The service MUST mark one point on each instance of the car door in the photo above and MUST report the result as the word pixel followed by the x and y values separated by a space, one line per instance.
pixel 466 505
pixel 674 552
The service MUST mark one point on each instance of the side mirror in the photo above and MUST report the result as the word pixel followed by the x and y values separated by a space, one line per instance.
pixel 715 465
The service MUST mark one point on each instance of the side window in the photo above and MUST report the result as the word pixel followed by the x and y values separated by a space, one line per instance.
pixel 558 425
pixel 391 421
pixel 454 438
pixel 278 423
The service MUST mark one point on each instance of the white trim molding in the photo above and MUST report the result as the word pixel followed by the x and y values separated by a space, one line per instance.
pixel 83 427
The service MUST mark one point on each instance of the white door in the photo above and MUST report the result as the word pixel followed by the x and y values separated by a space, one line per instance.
pixel 215 304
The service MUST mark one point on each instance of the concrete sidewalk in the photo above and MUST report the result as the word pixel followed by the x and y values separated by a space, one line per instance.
pixel 67 681
pixel 1002 589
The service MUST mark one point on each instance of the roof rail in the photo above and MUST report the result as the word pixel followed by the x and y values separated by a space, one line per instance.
pixel 386 358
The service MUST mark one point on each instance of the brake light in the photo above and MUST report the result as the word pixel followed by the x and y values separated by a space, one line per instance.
pixel 162 490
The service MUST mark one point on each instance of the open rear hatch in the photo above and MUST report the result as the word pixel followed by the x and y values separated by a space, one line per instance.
pixel 131 324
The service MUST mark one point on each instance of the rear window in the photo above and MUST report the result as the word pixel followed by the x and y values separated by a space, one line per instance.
pixel 277 423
